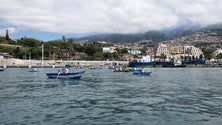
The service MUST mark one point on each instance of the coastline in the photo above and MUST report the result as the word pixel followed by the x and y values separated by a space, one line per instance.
pixel 19 63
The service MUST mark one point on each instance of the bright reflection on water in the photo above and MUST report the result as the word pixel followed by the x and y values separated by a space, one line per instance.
pixel 183 96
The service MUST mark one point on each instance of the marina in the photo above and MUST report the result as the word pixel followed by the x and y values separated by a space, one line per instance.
pixel 111 62
pixel 18 63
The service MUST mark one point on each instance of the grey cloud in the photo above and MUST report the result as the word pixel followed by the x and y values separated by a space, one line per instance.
pixel 106 16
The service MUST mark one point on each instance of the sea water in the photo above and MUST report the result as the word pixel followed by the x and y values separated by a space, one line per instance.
pixel 169 96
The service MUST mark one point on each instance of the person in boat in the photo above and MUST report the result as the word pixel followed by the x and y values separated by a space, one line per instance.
pixel 142 70
pixel 65 71
pixel 33 70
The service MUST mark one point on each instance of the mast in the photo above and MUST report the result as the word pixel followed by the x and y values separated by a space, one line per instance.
pixel 42 53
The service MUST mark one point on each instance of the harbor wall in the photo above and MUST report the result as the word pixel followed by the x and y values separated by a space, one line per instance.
pixel 19 63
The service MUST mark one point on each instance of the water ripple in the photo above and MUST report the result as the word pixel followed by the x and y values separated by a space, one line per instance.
pixel 168 96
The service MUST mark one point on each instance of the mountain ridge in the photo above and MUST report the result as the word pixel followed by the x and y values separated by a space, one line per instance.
pixel 154 35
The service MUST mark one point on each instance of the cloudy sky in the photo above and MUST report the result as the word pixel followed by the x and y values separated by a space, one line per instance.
pixel 51 19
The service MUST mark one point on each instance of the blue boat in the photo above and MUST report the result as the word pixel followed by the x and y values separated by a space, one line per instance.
pixel 144 61
pixel 1 69
pixel 69 75
pixel 141 72
pixel 134 69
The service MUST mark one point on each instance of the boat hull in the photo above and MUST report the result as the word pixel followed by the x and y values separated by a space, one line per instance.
pixel 34 71
pixel 171 64
pixel 196 62
pixel 141 64
pixel 174 66
pixel 71 75
pixel 139 72
pixel 1 69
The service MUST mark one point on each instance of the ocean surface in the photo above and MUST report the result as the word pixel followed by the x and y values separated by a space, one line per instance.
pixel 169 96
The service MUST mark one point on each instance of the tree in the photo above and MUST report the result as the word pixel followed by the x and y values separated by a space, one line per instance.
pixel 107 56
pixel 16 52
pixel 3 40
pixel 29 42
pixel 78 47
pixel 7 36
pixel 163 56
pixel 143 50
pixel 90 50
pixel 119 53
pixel 193 57
pixel 63 39
pixel 207 53
pixel 201 56
pixel 124 51
pixel 219 56
pixel 35 52
pixel 99 55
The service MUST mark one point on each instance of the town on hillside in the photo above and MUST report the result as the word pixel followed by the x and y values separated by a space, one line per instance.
pixel 201 45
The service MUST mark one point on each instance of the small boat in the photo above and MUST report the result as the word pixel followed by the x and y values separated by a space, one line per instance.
pixel 1 69
pixel 92 67
pixel 34 70
pixel 121 69
pixel 69 75
pixel 141 72
pixel 111 67
pixel 134 69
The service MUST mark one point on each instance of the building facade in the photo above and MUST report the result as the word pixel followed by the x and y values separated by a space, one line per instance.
pixel 178 52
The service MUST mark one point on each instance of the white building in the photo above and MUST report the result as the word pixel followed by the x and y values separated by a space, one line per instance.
pixel 196 52
pixel 216 52
pixel 172 51
pixel 162 49
pixel 134 51
pixel 1 57
pixel 109 49
pixel 193 51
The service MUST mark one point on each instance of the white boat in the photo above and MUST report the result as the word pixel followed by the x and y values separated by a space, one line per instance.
pixel 34 70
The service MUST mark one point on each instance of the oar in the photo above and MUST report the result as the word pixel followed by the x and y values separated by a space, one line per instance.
pixel 58 75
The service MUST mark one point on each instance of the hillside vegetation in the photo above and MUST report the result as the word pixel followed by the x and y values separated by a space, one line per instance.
pixel 208 39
